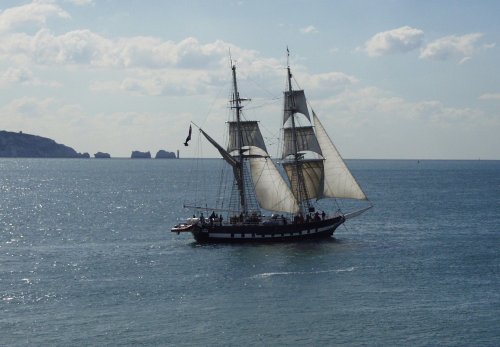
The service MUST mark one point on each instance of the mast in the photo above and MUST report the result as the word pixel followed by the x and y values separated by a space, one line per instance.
pixel 301 191
pixel 236 105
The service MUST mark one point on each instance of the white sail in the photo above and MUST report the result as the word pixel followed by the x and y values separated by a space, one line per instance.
pixel 305 140
pixel 250 133
pixel 313 176
pixel 338 180
pixel 299 104
pixel 271 190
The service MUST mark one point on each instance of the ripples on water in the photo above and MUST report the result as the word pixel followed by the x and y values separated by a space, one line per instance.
pixel 87 259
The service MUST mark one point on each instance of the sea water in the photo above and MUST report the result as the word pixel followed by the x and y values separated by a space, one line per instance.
pixel 87 258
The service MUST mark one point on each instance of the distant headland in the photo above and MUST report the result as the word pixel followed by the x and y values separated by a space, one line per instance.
pixel 21 145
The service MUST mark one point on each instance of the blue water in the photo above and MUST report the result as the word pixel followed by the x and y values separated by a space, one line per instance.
pixel 86 258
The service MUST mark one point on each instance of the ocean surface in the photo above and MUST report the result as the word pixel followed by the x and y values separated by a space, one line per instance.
pixel 87 259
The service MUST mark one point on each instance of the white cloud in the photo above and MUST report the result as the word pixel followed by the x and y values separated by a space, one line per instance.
pixel 36 116
pixel 327 83
pixel 23 76
pixel 83 47
pixel 490 96
pixel 16 75
pixel 36 13
pixel 333 50
pixel 151 66
pixel 179 81
pixel 373 123
pixel 398 40
pixel 437 112
pixel 167 82
pixel 309 30
pixel 464 60
pixel 406 39
pixel 372 105
pixel 451 46
pixel 80 2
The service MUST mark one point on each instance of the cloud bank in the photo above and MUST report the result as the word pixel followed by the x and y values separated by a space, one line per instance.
pixel 406 39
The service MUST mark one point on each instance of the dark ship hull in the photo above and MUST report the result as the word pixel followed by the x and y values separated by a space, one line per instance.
pixel 264 233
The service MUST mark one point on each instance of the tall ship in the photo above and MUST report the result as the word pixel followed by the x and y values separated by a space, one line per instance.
pixel 269 203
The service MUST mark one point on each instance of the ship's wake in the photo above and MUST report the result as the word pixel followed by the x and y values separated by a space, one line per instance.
pixel 313 272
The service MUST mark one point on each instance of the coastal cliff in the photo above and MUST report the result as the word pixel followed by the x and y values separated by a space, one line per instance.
pixel 19 145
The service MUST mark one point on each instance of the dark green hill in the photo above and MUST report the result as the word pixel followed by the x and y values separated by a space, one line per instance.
pixel 19 145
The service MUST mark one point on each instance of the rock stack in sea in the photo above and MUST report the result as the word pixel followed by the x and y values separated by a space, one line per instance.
pixel 102 155
pixel 165 155
pixel 140 155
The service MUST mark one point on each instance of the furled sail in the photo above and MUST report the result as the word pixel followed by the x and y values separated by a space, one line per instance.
pixel 338 180
pixel 271 190
pixel 250 133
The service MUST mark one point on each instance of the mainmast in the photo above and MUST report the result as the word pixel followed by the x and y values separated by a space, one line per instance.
pixel 297 174
pixel 239 172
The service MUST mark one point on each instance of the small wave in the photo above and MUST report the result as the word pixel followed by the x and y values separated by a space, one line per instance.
pixel 270 274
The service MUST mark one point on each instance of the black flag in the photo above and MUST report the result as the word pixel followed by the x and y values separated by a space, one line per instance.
pixel 188 138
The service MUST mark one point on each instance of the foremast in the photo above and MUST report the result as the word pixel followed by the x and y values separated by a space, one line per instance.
pixel 239 171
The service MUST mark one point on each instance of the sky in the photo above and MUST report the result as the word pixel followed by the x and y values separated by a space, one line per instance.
pixel 389 79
